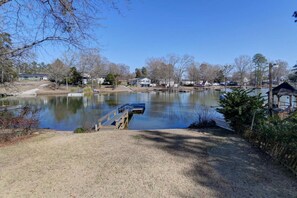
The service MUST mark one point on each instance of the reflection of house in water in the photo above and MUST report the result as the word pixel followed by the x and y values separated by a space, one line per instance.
pixel 99 97
pixel 86 101
pixel 44 100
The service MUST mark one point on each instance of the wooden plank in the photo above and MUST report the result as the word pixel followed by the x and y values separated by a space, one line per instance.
pixel 112 120
pixel 107 116
pixel 119 117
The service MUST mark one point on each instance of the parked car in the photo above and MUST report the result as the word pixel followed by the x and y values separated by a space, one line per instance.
pixel 232 84
pixel 199 85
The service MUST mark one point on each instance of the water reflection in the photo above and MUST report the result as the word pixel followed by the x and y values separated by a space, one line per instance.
pixel 163 109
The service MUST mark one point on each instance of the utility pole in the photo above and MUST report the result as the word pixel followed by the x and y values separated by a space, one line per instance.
pixel 270 96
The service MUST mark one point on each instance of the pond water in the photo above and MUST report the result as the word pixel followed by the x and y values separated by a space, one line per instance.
pixel 163 109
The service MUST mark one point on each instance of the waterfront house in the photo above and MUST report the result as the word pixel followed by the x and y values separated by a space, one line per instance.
pixel 166 83
pixel 100 80
pixel 188 82
pixel 85 78
pixel 140 82
pixel 33 76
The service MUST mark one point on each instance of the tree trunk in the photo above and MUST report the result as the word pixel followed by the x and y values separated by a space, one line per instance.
pixel 2 76
pixel 56 83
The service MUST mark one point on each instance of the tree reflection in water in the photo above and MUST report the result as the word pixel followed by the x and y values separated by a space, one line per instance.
pixel 163 109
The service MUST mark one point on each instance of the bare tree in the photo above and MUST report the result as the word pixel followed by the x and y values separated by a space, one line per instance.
pixel 193 72
pixel 242 64
pixel 70 59
pixel 57 71
pixel 92 63
pixel 154 68
pixel 181 66
pixel 118 71
pixel 214 73
pixel 207 72
pixel 31 23
pixel 226 71
pixel 281 71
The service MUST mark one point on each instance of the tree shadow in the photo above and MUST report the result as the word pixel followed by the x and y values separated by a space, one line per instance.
pixel 225 164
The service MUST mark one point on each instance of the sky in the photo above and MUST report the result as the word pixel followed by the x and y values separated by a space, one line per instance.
pixel 212 31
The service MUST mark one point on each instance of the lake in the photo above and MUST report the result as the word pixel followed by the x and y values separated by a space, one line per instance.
pixel 163 109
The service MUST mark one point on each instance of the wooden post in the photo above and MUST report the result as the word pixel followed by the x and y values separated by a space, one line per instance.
pixel 270 99
pixel 290 108
pixel 278 101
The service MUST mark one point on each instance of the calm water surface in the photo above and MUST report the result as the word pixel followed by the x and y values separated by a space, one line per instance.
pixel 163 109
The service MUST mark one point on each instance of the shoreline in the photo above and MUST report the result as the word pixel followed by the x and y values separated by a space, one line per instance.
pixel 44 88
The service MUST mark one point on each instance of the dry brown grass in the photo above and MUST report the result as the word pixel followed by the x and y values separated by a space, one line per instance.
pixel 159 163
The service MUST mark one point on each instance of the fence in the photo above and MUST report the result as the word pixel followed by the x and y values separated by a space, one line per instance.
pixel 285 155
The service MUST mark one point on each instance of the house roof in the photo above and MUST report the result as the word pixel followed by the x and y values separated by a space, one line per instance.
pixel 139 78
pixel 32 75
pixel 284 89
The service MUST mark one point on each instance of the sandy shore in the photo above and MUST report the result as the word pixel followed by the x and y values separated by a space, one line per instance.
pixel 33 88
pixel 154 163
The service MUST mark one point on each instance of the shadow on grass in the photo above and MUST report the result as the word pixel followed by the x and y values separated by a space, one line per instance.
pixel 225 164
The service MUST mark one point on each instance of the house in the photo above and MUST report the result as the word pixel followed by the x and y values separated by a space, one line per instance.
pixel 202 83
pixel 85 78
pixel 245 81
pixel 100 80
pixel 187 82
pixel 140 82
pixel 33 76
pixel 166 83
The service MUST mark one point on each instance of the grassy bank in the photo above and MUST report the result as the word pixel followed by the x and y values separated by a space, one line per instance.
pixel 152 163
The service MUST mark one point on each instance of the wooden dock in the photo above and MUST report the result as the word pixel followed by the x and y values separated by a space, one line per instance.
pixel 119 117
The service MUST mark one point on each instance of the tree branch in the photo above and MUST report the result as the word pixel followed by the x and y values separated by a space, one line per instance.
pixel 2 2
pixel 20 50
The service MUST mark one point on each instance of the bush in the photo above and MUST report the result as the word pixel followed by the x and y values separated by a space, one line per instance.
pixel 18 122
pixel 278 131
pixel 204 119
pixel 239 108
pixel 24 119
pixel 80 130
pixel 203 124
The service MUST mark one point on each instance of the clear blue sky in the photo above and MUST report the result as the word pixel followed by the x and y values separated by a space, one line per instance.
pixel 214 31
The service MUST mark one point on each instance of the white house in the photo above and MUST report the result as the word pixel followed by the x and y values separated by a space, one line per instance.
pixel 85 78
pixel 140 82
pixel 101 79
pixel 166 83
pixel 187 82
pixel 33 76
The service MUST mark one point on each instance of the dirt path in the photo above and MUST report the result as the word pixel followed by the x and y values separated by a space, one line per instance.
pixel 164 163
pixel 23 87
